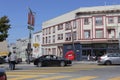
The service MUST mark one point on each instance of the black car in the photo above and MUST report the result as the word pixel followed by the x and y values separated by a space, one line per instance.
pixel 2 74
pixel 50 60
pixel 2 60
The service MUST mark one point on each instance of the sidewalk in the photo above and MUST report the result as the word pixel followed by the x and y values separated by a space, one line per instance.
pixel 85 62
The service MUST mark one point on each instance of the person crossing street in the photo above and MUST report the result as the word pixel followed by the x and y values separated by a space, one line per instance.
pixel 12 59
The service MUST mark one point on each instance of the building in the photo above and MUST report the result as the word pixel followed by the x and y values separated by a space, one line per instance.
pixel 87 31
pixel 4 48
pixel 37 41
pixel 21 46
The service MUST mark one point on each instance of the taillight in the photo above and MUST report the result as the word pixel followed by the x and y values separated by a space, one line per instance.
pixel 3 77
pixel 99 58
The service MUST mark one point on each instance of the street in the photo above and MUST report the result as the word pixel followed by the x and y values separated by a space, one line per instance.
pixel 77 71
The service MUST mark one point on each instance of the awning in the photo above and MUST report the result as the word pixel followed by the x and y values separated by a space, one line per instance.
pixel 3 53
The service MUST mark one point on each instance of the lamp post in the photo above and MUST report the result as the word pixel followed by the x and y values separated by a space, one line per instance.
pixel 30 27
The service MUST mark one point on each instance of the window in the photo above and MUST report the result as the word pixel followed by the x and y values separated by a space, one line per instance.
pixel 98 21
pixel 67 25
pixel 54 29
pixel 43 31
pixel 49 39
pixel 53 38
pixel 74 35
pixel 110 20
pixel 49 30
pixel 111 33
pixel 60 26
pixel 68 36
pixel 54 51
pixel 74 24
pixel 60 36
pixel 86 21
pixel 37 38
pixel 46 39
pixel 43 40
pixel 118 19
pixel 99 33
pixel 86 34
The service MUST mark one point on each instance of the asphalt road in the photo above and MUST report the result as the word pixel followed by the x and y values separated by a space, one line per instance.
pixel 78 71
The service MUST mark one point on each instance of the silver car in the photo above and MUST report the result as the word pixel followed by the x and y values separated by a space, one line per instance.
pixel 109 58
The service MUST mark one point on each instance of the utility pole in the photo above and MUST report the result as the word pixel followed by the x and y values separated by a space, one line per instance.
pixel 30 28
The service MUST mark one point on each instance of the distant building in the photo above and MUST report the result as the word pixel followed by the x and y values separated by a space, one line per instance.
pixel 4 48
pixel 21 46
pixel 37 41
pixel 87 31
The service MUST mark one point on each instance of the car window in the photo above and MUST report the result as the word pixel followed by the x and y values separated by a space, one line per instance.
pixel 47 57
pixel 113 55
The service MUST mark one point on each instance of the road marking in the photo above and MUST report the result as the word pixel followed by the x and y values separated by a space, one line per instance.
pixel 22 77
pixel 85 78
pixel 53 78
pixel 115 78
pixel 26 73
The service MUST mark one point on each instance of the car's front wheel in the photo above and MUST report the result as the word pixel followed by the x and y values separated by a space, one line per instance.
pixel 62 63
pixel 108 63
pixel 39 64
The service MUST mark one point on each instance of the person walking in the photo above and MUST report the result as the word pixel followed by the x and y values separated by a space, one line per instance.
pixel 12 60
pixel 8 59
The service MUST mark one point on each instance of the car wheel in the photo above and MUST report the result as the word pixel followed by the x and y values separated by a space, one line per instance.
pixel 107 63
pixel 62 63
pixel 39 64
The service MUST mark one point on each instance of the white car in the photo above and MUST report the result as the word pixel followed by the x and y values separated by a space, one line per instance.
pixel 109 58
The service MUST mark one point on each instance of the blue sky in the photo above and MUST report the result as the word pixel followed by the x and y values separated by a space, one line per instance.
pixel 17 12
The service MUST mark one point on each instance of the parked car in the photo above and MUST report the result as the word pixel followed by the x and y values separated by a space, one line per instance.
pixel 19 60
pixel 109 58
pixel 3 74
pixel 50 60
pixel 2 60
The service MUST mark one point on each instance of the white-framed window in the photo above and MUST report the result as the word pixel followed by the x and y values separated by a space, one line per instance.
pixel 54 51
pixel 118 19
pixel 68 36
pixel 60 26
pixel 74 24
pixel 37 38
pixel 53 29
pixel 67 25
pixel 60 36
pixel 99 33
pixel 98 21
pixel 43 40
pixel 53 38
pixel 74 35
pixel 86 21
pixel 86 34
pixel 49 30
pixel 49 39
pixel 111 33
pixel 110 20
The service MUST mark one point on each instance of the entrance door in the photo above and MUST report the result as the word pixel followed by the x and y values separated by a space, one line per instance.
pixel 86 53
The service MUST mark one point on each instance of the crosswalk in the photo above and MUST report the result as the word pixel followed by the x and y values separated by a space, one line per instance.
pixel 44 74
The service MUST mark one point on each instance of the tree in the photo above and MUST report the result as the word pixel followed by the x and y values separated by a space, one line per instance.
pixel 4 27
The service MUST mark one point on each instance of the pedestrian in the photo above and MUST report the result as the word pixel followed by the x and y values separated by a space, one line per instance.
pixel 88 57
pixel 8 59
pixel 13 59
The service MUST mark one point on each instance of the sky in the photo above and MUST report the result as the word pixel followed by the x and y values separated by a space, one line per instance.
pixel 17 12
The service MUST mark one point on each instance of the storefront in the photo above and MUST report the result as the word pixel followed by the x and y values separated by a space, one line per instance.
pixel 82 51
